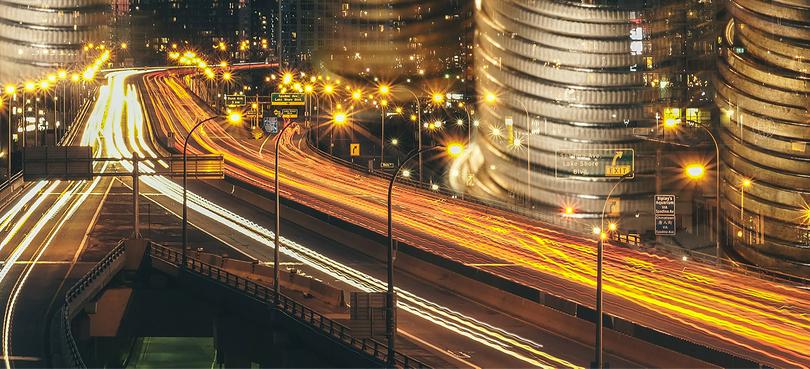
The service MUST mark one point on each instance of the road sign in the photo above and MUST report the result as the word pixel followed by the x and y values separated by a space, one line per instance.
pixel 278 99
pixel 354 149
pixel 664 225
pixel 387 165
pixel 289 113
pixel 235 100
pixel 614 207
pixel 270 125
pixel 611 163
pixel 664 204
pixel 57 162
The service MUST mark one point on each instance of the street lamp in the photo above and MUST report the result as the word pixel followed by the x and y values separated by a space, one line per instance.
pixel 490 98
pixel 694 172
pixel 453 150
pixel 418 126
pixel 599 358
pixel 339 119
pixel 383 90
pixel 9 91
pixel 745 183
pixel 233 118
pixel 277 230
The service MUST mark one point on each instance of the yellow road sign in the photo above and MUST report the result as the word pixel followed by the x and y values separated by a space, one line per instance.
pixel 354 149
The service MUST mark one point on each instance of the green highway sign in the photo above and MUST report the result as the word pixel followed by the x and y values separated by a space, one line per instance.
pixel 279 99
pixel 235 100
pixel 610 163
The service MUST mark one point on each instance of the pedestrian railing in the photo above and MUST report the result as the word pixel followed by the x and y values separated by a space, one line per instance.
pixel 284 304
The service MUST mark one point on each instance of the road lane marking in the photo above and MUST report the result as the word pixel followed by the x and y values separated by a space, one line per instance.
pixel 437 349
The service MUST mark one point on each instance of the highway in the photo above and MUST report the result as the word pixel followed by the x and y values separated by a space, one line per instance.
pixel 45 229
pixel 763 321
pixel 463 327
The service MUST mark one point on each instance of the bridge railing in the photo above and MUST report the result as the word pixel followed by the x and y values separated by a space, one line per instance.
pixel 85 288
pixel 285 304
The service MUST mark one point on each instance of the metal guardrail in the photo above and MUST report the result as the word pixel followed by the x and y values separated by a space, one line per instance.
pixel 102 268
pixel 286 305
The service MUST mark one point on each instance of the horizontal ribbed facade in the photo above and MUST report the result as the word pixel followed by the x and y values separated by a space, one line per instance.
pixel 763 89
pixel 37 36
pixel 572 78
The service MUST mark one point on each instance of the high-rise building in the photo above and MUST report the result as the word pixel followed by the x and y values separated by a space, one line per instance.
pixel 307 26
pixel 568 85
pixel 763 92
pixel 236 29
pixel 397 39
pixel 38 36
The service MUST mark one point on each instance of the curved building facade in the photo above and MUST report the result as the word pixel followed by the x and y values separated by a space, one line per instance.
pixel 764 90
pixel 39 35
pixel 573 80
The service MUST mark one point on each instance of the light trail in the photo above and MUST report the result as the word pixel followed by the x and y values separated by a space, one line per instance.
pixel 761 320
pixel 124 143
pixel 76 191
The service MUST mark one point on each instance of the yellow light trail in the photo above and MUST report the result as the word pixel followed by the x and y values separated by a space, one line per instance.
pixel 762 320
pixel 123 143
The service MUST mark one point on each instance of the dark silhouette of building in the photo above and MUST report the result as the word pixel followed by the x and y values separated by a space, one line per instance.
pixel 234 29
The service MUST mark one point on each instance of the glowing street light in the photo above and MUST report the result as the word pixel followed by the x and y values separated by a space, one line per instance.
pixel 287 78
pixel 235 118
pixel 438 98
pixel 490 98
pixel 695 171
pixel 384 89
pixel 455 150
pixel 340 118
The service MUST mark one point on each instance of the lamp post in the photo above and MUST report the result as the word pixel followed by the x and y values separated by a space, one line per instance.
pixel 490 98
pixel 383 91
pixel 419 127
pixel 233 118
pixel 453 150
pixel 9 91
pixel 277 230
pixel 599 358
pixel 718 249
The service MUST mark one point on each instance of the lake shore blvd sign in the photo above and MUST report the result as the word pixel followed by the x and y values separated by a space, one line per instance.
pixel 279 99
pixel 605 163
